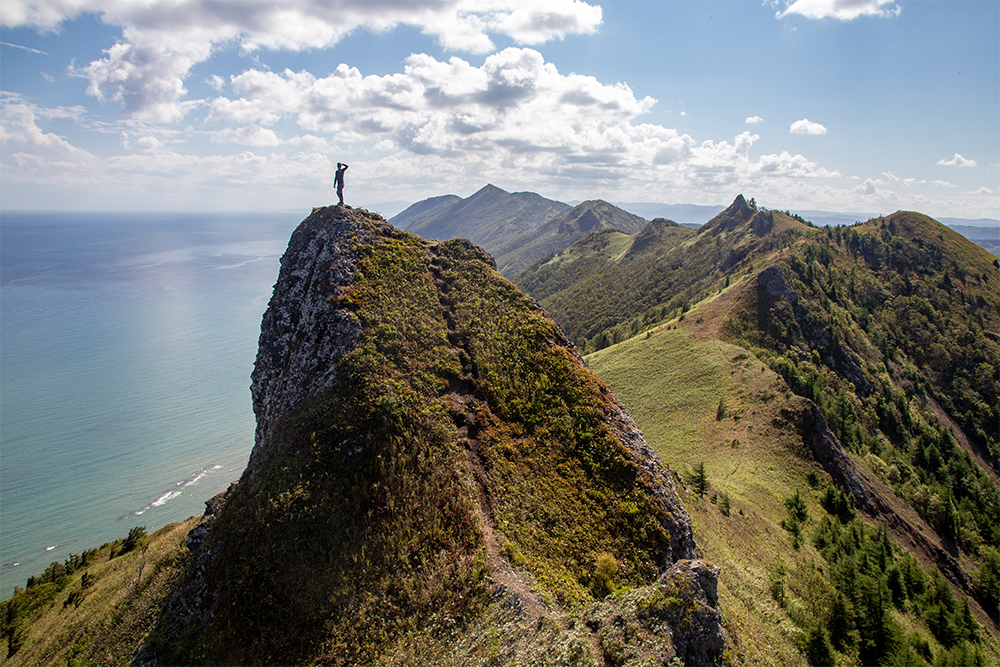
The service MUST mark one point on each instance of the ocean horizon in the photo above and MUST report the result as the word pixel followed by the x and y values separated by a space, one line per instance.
pixel 127 341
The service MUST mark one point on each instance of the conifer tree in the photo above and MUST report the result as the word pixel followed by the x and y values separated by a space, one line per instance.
pixel 699 481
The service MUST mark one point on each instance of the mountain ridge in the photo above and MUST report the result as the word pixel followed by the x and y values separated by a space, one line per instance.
pixel 410 402
pixel 436 477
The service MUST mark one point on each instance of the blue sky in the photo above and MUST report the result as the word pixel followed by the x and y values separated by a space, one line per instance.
pixel 842 105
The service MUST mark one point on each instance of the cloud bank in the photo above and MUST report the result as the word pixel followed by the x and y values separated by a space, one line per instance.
pixel 145 72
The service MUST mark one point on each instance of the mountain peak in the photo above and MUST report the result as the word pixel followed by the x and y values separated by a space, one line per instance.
pixel 402 474
pixel 738 214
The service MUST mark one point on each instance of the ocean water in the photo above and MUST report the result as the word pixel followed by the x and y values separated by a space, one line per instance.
pixel 126 347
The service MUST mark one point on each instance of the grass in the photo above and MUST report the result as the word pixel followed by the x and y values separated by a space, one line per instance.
pixel 672 379
pixel 672 383
pixel 104 621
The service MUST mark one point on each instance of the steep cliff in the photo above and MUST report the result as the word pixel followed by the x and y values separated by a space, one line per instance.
pixel 432 463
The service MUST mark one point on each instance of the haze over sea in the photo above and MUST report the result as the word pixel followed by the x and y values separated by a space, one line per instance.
pixel 126 346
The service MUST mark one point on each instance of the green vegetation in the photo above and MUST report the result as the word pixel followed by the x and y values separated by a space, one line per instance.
pixel 600 298
pixel 803 576
pixel 891 326
pixel 368 527
pixel 464 452
pixel 95 607
pixel 889 344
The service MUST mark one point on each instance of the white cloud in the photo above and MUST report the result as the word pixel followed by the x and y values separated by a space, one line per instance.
pixel 514 102
pixel 145 72
pixel 148 143
pixel 753 120
pixel 844 10
pixel 216 82
pixel 806 126
pixel 957 161
pixel 866 188
pixel 944 184
pixel 248 135
pixel 795 166
pixel 19 128
pixel 981 191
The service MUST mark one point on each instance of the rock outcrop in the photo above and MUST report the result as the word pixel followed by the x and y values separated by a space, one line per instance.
pixel 429 448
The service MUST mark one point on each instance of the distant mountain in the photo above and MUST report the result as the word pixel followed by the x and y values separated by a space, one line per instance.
pixel 589 291
pixel 489 217
pixel 987 236
pixel 561 231
pixel 412 214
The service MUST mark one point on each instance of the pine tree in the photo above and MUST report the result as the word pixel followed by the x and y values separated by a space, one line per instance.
pixel 699 481
pixel 819 650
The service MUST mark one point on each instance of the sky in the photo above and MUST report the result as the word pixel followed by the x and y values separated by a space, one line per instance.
pixel 837 105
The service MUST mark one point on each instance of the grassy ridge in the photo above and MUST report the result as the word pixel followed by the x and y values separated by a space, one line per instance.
pixel 701 401
pixel 673 384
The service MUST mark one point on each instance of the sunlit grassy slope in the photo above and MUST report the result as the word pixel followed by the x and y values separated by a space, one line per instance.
pixel 98 614
pixel 673 380
pixel 672 385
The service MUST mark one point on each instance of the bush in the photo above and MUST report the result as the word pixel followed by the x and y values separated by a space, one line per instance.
pixel 135 536
pixel 605 577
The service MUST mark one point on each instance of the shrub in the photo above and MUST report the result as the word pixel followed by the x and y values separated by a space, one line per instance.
pixel 132 541
pixel 605 577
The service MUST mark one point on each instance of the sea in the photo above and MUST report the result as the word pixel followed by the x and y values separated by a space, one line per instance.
pixel 126 346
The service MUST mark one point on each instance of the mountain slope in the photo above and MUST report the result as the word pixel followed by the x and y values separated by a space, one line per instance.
pixel 561 231
pixel 422 209
pixel 488 218
pixel 666 268
pixel 888 328
pixel 406 494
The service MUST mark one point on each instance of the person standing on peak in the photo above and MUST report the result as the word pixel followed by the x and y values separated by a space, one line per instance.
pixel 338 181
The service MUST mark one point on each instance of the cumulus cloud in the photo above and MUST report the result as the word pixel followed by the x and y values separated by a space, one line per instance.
pixel 806 126
pixel 981 191
pixel 944 184
pixel 19 128
pixel 866 188
pixel 145 72
pixel 248 135
pixel 844 10
pixel 753 120
pixel 516 112
pixel 957 161
pixel 514 102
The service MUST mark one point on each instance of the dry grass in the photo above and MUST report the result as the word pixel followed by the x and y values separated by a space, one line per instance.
pixel 672 383
pixel 117 611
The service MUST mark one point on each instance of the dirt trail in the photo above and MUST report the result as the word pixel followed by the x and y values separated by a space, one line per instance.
pixel 503 574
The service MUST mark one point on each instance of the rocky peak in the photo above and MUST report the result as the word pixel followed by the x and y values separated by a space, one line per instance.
pixel 306 330
pixel 429 446
pixel 737 215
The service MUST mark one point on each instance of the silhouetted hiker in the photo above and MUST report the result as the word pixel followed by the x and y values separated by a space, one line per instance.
pixel 338 180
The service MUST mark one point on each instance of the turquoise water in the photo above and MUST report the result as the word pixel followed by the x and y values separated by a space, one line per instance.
pixel 126 347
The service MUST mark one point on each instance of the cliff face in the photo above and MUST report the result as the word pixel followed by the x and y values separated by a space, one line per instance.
pixel 431 460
